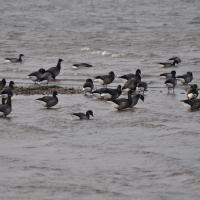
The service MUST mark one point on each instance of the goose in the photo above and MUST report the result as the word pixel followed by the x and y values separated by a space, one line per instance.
pixel 35 76
pixel 84 115
pixel 129 76
pixel 6 108
pixel 186 78
pixel 105 79
pixel 109 93
pixel 88 86
pixel 15 60
pixel 50 100
pixel 55 70
pixel 171 82
pixel 194 103
pixel 2 83
pixel 78 65
pixel 124 103
pixel 193 91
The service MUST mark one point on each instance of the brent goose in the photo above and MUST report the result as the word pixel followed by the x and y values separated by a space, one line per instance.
pixel 105 79
pixel 15 60
pixel 171 82
pixel 193 91
pixel 135 99
pixel 35 76
pixel 131 84
pixel 50 100
pixel 169 64
pixel 109 93
pixel 2 83
pixel 142 86
pixel 84 115
pixel 168 74
pixel 175 58
pixel 129 76
pixel 6 108
pixel 88 86
pixel 46 76
pixel 194 103
pixel 124 103
pixel 78 65
pixel 186 78
pixel 55 70
pixel 9 90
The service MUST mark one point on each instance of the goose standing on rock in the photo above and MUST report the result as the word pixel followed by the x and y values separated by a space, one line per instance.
pixel 105 79
pixel 15 60
pixel 50 100
pixel 88 86
pixel 109 93
pixel 6 108
pixel 84 115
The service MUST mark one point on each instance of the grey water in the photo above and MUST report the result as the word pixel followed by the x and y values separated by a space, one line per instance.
pixel 150 152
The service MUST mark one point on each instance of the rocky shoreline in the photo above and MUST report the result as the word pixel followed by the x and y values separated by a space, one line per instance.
pixel 31 90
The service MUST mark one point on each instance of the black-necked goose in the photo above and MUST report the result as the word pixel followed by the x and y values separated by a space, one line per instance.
pixel 47 76
pixel 35 76
pixel 194 103
pixel 193 91
pixel 2 83
pixel 50 100
pixel 142 86
pixel 88 86
pixel 15 60
pixel 8 90
pixel 131 84
pixel 109 93
pixel 124 103
pixel 135 99
pixel 175 58
pixel 168 74
pixel 55 70
pixel 6 108
pixel 84 115
pixel 78 65
pixel 171 82
pixel 168 64
pixel 186 78
pixel 129 76
pixel 105 79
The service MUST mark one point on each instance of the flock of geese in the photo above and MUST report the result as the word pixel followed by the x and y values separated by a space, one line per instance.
pixel 134 87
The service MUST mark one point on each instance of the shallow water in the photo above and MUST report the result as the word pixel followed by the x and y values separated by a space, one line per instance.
pixel 149 152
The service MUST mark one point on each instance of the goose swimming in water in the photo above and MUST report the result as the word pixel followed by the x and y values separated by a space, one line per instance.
pixel 15 60
pixel 83 116
pixel 194 103
pixel 50 100
pixel 78 65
